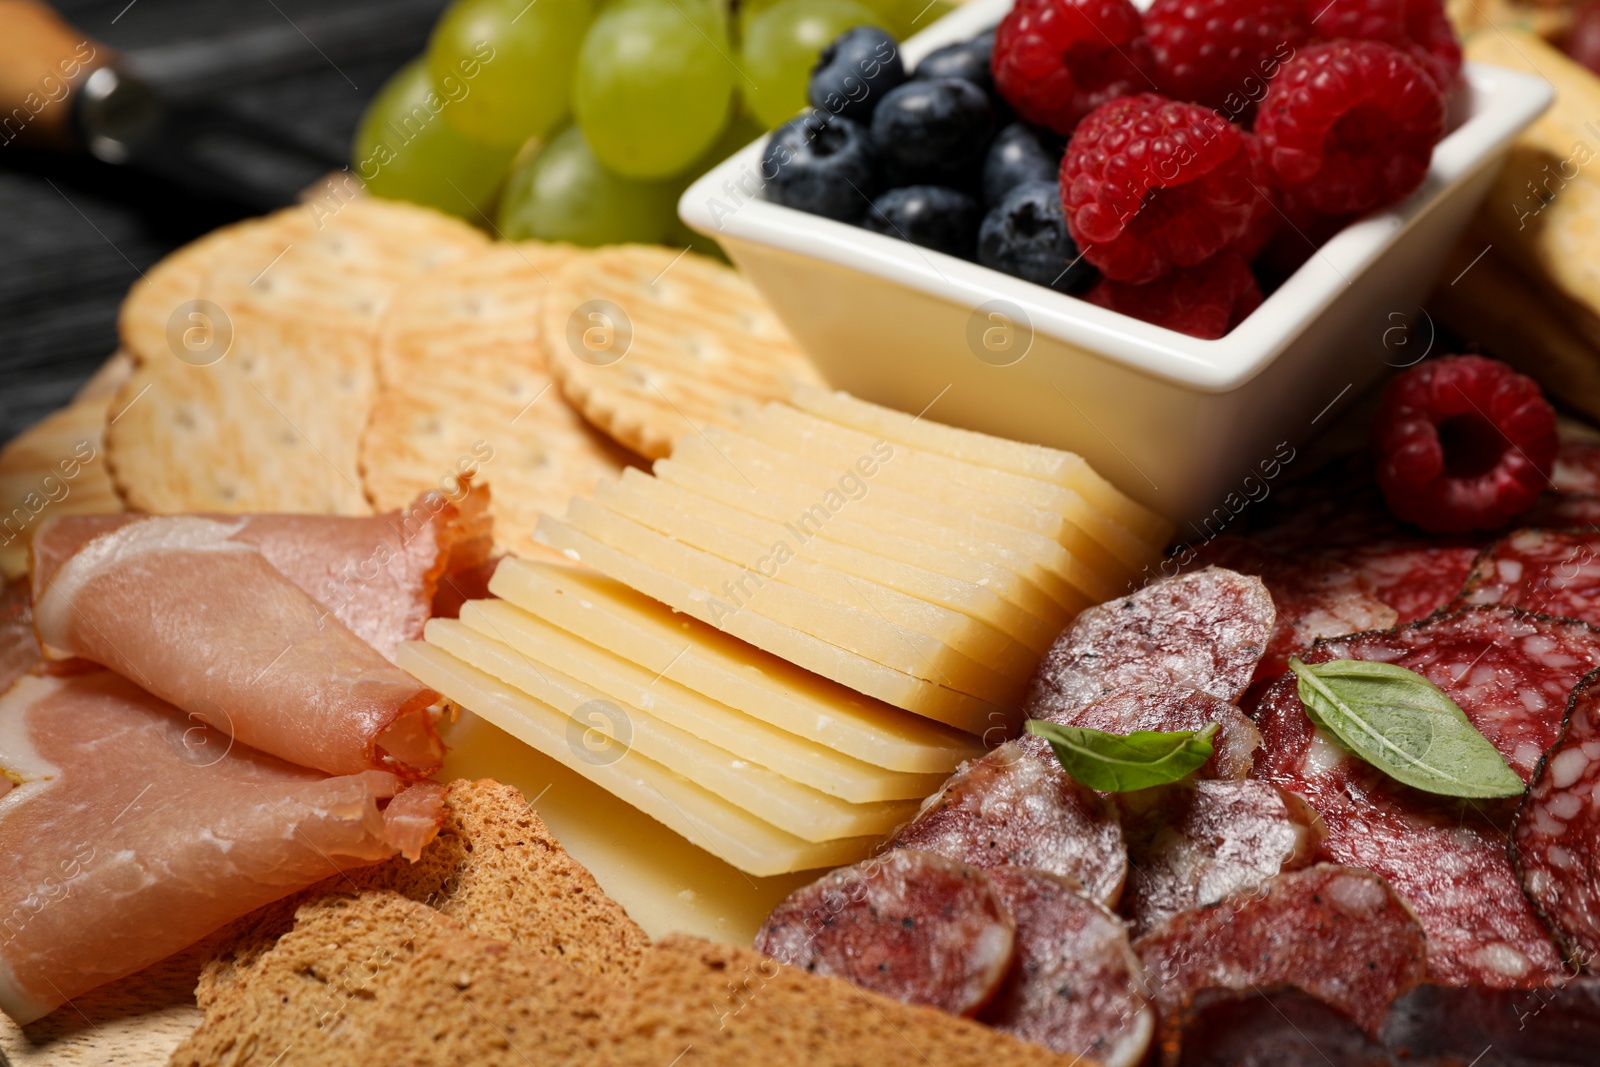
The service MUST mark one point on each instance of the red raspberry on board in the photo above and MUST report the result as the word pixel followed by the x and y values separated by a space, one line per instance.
pixel 1057 60
pixel 1464 443
pixel 1222 53
pixel 1150 184
pixel 1420 28
pixel 1350 126
pixel 1205 301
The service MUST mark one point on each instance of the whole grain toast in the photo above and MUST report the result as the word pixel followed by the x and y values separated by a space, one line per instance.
pixel 494 867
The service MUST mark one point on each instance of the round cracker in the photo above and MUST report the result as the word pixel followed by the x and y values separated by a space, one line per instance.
pixel 274 421
pixel 463 389
pixel 651 344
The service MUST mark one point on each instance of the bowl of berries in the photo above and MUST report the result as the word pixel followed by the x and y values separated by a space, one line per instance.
pixel 1170 236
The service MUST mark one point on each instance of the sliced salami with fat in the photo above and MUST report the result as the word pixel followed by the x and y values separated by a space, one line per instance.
pixel 1577 468
pixel 1167 708
pixel 1075 984
pixel 1279 1027
pixel 1016 807
pixel 1556 837
pixel 1446 857
pixel 910 925
pixel 1206 630
pixel 1341 934
pixel 1415 577
pixel 1553 572
pixel 1191 844
pixel 1314 598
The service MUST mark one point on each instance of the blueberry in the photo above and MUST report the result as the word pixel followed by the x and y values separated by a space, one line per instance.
pixel 933 132
pixel 967 60
pixel 823 164
pixel 1026 236
pixel 854 72
pixel 1016 156
pixel 945 220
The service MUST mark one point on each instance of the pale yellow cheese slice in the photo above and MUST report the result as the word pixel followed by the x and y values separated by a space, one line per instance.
pixel 599 722
pixel 1022 580
pixel 669 644
pixel 726 591
pixel 1065 469
pixel 913 693
pixel 975 599
pixel 691 521
pixel 1026 502
pixel 1083 564
pixel 682 806
pixel 744 736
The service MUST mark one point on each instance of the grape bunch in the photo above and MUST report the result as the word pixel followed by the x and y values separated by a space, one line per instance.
pixel 584 120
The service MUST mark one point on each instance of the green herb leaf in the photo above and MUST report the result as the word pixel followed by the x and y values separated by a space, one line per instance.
pixel 1117 763
pixel 1405 726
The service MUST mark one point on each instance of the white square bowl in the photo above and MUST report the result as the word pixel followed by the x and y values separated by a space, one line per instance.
pixel 1176 422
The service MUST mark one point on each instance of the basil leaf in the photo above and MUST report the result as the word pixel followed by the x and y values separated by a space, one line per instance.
pixel 1117 763
pixel 1405 726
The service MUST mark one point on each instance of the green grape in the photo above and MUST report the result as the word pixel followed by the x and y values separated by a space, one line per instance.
pixel 740 131
pixel 907 18
pixel 653 86
pixel 405 149
pixel 511 63
pixel 565 194
pixel 781 46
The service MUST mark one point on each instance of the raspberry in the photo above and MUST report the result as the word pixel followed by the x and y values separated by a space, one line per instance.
pixel 1464 443
pixel 1419 28
pixel 1204 301
pixel 1222 53
pixel 1150 184
pixel 1057 60
pixel 1350 126
pixel 1265 216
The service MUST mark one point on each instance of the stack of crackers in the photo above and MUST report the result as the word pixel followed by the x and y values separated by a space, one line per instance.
pixel 498 948
pixel 340 359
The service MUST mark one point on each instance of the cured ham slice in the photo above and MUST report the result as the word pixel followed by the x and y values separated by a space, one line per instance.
pixel 132 831
pixel 380 575
pixel 19 649
pixel 205 622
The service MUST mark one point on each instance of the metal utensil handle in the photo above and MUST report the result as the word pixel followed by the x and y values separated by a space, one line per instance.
pixel 42 59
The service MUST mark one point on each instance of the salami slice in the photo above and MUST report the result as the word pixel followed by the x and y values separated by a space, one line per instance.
pixel 1191 844
pixel 1156 706
pixel 1523 1027
pixel 1281 1027
pixel 1314 597
pixel 1446 857
pixel 1075 984
pixel 1577 468
pixel 1556 837
pixel 1016 807
pixel 910 925
pixel 1553 572
pixel 1416 577
pixel 1341 934
pixel 1205 630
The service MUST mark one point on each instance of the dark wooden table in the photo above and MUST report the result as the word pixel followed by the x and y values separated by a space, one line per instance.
pixel 74 234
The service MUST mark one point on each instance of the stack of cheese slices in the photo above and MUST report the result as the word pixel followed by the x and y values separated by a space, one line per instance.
pixel 798 627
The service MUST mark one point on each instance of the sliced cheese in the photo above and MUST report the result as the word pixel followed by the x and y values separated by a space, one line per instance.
pixel 1085 565
pixel 692 521
pixel 606 730
pixel 1025 502
pixel 1065 469
pixel 728 590
pixel 682 806
pixel 743 736
pixel 912 693
pixel 975 599
pixel 669 644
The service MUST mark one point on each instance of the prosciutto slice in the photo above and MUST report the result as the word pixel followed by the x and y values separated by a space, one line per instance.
pixel 19 651
pixel 380 575
pixel 130 831
pixel 204 621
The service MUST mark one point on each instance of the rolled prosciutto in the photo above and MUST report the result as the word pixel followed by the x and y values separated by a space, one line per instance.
pixel 380 575
pixel 185 608
pixel 131 831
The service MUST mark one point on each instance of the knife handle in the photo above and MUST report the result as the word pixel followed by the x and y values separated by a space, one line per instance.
pixel 42 60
